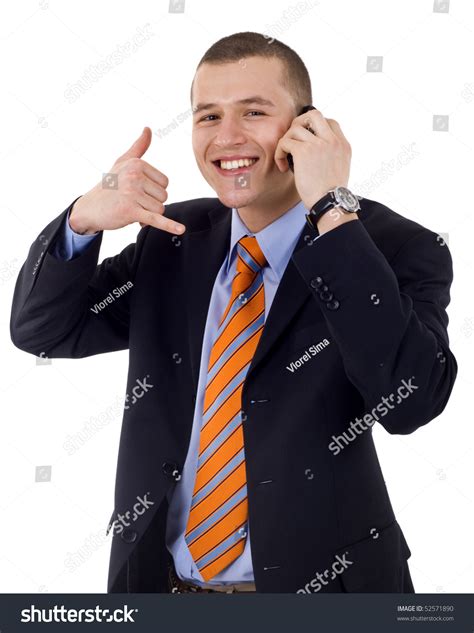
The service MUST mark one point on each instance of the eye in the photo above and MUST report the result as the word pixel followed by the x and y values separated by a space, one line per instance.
pixel 204 118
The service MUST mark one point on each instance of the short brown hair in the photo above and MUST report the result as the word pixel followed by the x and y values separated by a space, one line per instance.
pixel 249 44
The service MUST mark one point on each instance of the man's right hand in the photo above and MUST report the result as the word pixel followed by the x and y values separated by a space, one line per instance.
pixel 138 197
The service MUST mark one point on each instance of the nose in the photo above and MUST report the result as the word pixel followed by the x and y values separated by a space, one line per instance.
pixel 229 132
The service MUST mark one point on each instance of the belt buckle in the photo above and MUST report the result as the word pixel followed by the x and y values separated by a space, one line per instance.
pixel 177 585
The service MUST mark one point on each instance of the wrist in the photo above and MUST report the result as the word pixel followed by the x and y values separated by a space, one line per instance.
pixel 77 223
pixel 337 206
pixel 334 218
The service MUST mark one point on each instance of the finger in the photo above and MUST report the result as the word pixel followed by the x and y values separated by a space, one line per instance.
pixel 155 191
pixel 156 208
pixel 316 120
pixel 139 147
pixel 336 128
pixel 154 174
pixel 299 133
pixel 285 146
pixel 159 221
pixel 150 203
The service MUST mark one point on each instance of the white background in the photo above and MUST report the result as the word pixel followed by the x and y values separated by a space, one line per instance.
pixel 54 148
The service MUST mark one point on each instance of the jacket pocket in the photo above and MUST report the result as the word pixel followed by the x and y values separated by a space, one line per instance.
pixel 377 563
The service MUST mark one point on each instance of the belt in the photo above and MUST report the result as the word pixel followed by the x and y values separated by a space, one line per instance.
pixel 181 586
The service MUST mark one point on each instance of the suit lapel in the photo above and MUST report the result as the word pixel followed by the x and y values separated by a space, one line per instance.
pixel 205 254
pixel 290 296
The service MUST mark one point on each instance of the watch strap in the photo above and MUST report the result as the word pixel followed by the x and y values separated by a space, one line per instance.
pixel 318 209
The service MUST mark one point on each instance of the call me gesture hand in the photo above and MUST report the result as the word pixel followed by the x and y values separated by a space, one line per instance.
pixel 322 162
pixel 139 196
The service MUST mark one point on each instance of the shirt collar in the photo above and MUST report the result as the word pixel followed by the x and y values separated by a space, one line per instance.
pixel 277 240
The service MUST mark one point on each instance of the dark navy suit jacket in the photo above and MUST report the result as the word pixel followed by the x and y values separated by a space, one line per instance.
pixel 359 315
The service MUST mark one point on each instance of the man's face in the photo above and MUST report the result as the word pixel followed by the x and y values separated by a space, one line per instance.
pixel 231 129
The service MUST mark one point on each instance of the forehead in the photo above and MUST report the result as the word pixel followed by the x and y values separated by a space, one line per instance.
pixel 232 81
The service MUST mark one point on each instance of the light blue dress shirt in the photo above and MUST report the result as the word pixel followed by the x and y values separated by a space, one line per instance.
pixel 277 242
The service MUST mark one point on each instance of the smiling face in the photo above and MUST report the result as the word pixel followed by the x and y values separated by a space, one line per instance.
pixel 242 110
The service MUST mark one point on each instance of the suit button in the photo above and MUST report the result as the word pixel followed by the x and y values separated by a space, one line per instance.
pixel 171 470
pixel 316 282
pixel 129 536
pixel 333 305
pixel 325 294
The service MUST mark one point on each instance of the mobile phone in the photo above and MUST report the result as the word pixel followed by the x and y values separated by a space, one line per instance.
pixel 289 157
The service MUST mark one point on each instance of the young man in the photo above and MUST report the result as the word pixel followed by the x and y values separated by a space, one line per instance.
pixel 265 341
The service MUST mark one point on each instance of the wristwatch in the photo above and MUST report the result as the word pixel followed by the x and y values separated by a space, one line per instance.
pixel 340 197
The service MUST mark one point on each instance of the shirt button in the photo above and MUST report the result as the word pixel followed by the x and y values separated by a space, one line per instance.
pixel 333 305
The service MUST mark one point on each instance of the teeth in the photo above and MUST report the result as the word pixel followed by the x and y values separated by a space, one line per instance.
pixel 233 164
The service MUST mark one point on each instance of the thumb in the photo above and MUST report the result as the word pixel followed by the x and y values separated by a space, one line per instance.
pixel 139 147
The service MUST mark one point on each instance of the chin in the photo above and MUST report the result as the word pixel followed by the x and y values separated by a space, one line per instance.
pixel 237 199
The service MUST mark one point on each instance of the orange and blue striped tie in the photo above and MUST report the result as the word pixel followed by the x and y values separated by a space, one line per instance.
pixel 217 526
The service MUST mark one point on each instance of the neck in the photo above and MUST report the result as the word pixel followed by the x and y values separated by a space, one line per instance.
pixel 257 217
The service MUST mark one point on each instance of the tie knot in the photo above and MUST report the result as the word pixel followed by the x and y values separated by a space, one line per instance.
pixel 250 257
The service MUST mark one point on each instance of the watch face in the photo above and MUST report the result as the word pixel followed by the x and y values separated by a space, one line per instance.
pixel 346 199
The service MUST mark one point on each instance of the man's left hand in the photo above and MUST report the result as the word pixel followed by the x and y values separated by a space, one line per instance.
pixel 321 162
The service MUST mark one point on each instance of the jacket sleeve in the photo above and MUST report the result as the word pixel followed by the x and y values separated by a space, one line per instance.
pixel 73 308
pixel 70 244
pixel 389 320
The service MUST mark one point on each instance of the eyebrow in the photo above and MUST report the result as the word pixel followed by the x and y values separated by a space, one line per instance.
pixel 249 101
